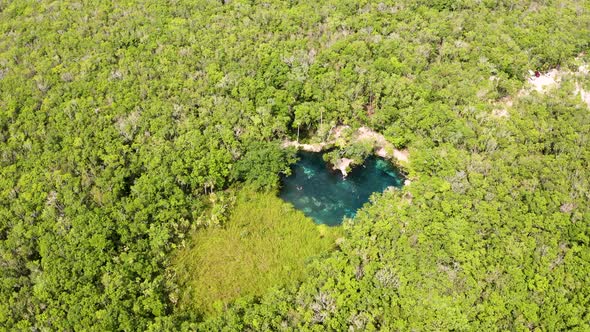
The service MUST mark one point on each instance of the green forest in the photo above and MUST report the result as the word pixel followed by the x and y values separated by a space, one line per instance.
pixel 141 151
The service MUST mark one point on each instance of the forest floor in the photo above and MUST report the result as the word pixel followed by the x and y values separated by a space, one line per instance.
pixel 546 80
pixel 543 84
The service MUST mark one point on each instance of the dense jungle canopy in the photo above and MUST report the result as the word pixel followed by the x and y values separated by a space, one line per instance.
pixel 132 131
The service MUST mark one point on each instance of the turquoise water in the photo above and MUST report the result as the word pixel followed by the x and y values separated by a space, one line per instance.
pixel 325 196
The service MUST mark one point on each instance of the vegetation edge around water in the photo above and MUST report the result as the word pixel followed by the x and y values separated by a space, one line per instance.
pixel 350 147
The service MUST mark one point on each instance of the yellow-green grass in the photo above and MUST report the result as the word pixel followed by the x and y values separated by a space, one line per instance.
pixel 265 243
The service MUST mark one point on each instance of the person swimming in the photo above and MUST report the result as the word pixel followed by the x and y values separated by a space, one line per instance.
pixel 299 188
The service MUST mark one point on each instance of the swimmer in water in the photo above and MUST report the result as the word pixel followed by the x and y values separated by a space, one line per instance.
pixel 299 187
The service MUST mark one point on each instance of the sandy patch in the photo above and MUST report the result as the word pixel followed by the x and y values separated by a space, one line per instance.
pixel 317 147
pixel 402 155
pixel 500 113
pixel 507 101
pixel 553 78
pixel 545 81
pixel 502 107
pixel 381 152
pixel 382 146
pixel 366 133
pixel 337 131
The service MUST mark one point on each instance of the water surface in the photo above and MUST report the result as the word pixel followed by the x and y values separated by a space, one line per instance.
pixel 326 196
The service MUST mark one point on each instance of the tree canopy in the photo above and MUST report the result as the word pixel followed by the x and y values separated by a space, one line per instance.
pixel 120 120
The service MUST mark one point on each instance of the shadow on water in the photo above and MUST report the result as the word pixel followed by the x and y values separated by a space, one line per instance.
pixel 325 196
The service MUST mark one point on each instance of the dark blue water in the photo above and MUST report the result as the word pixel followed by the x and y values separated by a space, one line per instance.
pixel 326 196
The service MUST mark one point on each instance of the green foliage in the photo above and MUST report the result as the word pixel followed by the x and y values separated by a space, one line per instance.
pixel 358 151
pixel 261 166
pixel 264 244
pixel 119 120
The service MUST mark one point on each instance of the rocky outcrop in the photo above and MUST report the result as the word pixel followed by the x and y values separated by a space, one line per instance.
pixel 343 165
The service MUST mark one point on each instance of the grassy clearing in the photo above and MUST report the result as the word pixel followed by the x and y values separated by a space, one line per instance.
pixel 265 243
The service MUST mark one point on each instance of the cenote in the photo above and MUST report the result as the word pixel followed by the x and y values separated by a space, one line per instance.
pixel 326 196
